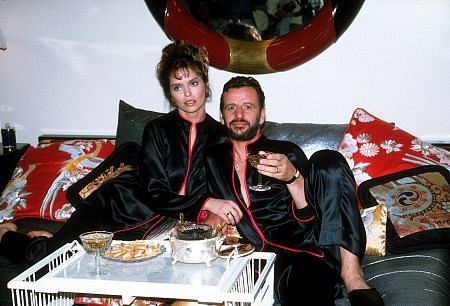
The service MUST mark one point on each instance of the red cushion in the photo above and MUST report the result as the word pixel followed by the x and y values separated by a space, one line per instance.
pixel 374 148
pixel 42 176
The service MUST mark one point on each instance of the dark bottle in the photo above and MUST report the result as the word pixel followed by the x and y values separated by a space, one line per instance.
pixel 8 138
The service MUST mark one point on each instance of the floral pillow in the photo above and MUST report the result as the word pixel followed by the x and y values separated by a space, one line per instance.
pixel 374 148
pixel 39 183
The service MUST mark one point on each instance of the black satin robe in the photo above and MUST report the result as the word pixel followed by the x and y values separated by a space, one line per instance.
pixel 271 220
pixel 138 201
pixel 167 163
pixel 133 203
pixel 306 240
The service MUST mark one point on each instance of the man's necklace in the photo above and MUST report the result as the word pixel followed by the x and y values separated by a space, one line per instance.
pixel 236 162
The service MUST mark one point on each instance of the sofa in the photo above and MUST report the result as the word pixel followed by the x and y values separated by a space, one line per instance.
pixel 416 272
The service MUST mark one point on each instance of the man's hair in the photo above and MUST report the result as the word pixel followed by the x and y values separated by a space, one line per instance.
pixel 240 30
pixel 242 81
pixel 182 55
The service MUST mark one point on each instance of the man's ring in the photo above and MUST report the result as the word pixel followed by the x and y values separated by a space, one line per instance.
pixel 276 169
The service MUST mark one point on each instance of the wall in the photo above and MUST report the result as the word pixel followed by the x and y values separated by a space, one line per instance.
pixel 69 62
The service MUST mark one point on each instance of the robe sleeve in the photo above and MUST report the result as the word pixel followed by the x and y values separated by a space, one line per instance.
pixel 162 194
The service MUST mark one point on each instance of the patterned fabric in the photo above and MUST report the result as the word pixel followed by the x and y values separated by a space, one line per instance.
pixel 374 148
pixel 41 178
pixel 374 219
pixel 416 203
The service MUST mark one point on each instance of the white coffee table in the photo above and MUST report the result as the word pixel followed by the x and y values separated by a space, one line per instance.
pixel 242 280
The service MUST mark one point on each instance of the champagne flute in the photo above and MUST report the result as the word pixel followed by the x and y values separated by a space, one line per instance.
pixel 97 242
pixel 254 159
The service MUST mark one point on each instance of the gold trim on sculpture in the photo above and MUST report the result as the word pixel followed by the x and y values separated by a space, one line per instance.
pixel 248 56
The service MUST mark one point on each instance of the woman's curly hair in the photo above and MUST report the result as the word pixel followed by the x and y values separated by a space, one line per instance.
pixel 182 55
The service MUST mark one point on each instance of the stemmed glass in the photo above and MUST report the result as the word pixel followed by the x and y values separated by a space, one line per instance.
pixel 97 242
pixel 254 159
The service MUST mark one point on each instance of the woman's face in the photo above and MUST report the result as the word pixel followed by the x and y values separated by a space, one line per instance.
pixel 188 92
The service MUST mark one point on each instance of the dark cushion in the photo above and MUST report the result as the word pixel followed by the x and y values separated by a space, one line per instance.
pixel 421 277
pixel 124 158
pixel 8 162
pixel 131 123
pixel 418 206
pixel 311 137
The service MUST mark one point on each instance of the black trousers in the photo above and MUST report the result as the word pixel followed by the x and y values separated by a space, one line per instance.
pixel 330 188
pixel 118 206
pixel 302 279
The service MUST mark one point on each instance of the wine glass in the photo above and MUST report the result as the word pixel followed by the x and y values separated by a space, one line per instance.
pixel 97 242
pixel 254 159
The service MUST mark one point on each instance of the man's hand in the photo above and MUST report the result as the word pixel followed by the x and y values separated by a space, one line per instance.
pixel 280 167
pixel 277 166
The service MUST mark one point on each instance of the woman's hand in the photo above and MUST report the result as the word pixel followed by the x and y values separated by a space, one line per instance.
pixel 228 211
pixel 215 222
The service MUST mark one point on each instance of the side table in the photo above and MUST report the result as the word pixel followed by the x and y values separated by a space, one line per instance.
pixel 19 147
pixel 8 162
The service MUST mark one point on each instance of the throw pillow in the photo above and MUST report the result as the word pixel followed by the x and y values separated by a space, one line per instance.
pixel 41 178
pixel 131 123
pixel 418 202
pixel 124 158
pixel 374 148
pixel 374 219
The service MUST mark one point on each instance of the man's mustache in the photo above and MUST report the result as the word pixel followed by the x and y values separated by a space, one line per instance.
pixel 239 120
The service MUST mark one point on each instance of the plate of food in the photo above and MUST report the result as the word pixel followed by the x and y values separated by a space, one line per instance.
pixel 134 251
pixel 236 250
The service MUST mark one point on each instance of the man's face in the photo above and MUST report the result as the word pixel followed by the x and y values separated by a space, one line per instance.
pixel 241 113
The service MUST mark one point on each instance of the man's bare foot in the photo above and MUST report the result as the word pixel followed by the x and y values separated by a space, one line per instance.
pixel 354 282
pixel 6 227
pixel 33 234
pixel 359 292
pixel 351 271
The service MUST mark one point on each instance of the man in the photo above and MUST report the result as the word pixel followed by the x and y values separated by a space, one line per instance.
pixel 308 217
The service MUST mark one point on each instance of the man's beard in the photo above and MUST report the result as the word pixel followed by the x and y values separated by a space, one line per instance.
pixel 247 135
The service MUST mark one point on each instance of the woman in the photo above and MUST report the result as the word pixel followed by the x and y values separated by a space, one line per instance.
pixel 169 178
pixel 173 146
